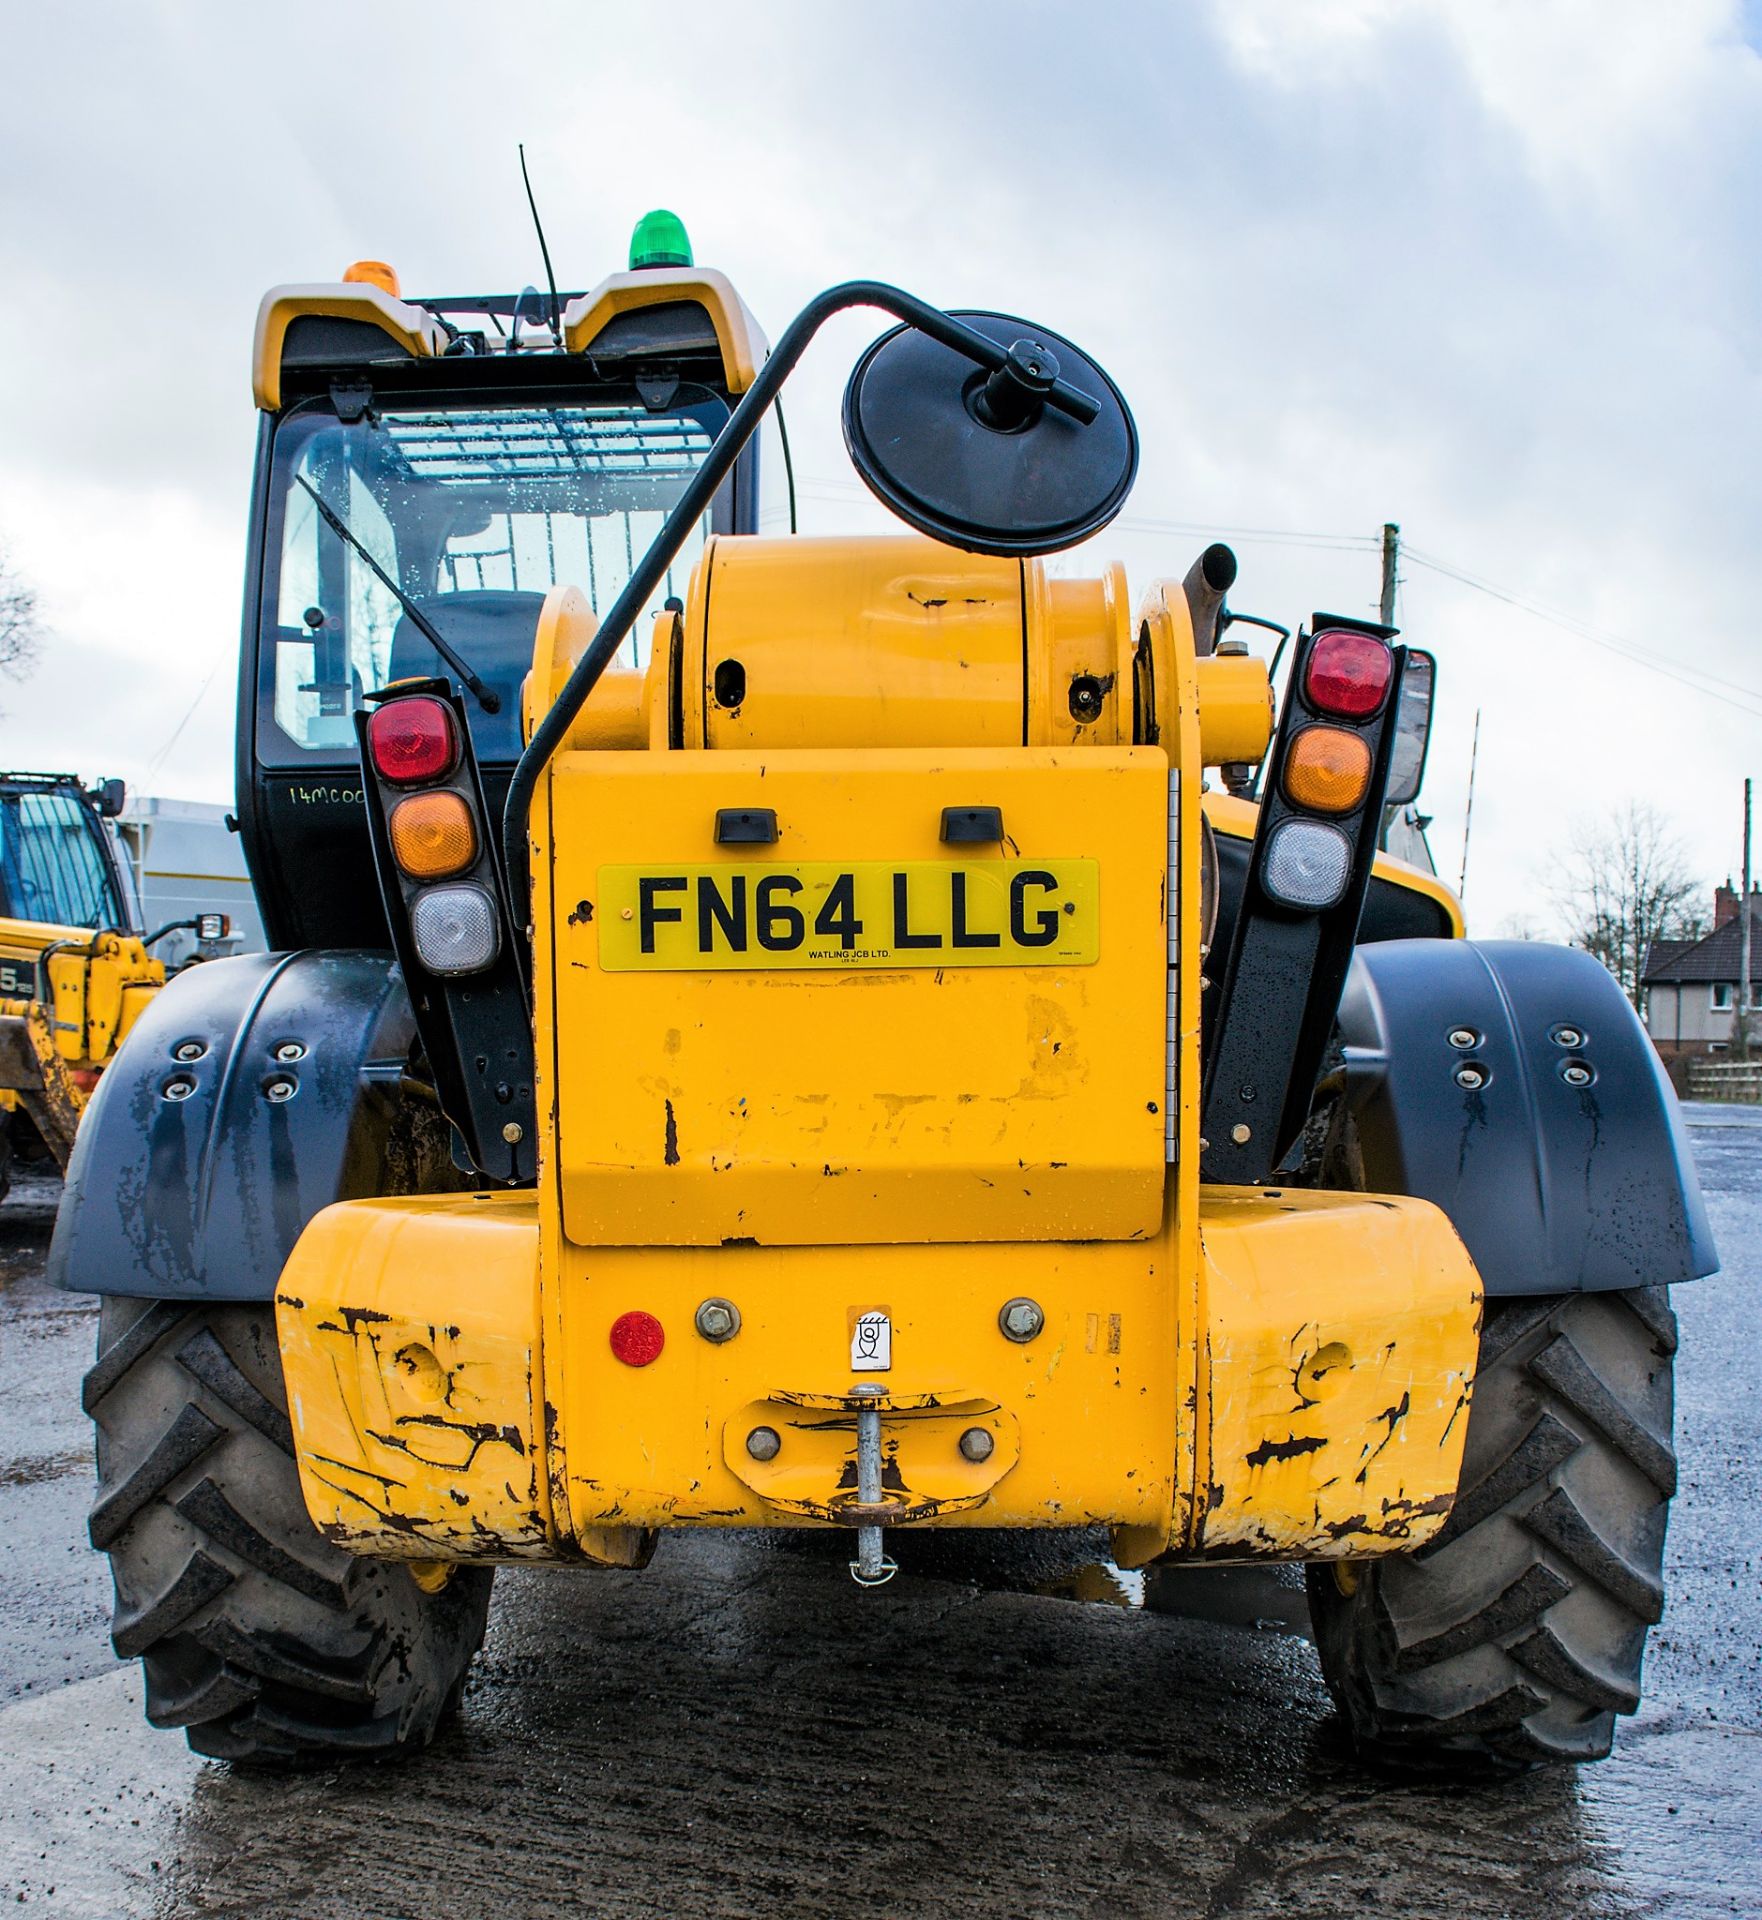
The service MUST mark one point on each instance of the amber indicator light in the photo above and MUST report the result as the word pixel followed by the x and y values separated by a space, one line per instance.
pixel 1327 770
pixel 433 835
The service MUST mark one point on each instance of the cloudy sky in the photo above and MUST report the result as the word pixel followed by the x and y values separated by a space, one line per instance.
pixel 1488 268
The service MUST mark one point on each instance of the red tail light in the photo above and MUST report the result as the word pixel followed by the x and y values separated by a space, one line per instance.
pixel 412 740
pixel 1348 673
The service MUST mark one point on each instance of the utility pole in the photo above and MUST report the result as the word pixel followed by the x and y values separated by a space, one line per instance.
pixel 1474 754
pixel 1744 941
pixel 1391 553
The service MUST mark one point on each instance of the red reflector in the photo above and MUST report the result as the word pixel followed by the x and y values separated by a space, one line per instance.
pixel 637 1338
pixel 1348 673
pixel 412 740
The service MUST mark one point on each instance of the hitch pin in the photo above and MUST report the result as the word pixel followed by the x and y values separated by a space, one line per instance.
pixel 871 1567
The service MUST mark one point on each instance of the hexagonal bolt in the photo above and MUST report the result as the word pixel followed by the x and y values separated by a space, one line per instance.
pixel 178 1088
pixel 1568 1037
pixel 513 1133
pixel 1470 1077
pixel 717 1320
pixel 764 1443
pixel 1576 1074
pixel 279 1091
pixel 289 1051
pixel 1021 1319
pixel 977 1444
pixel 1464 1039
pixel 187 1050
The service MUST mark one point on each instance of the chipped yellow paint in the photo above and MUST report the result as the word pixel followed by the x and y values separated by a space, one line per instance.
pixel 1339 1333
pixel 409 1342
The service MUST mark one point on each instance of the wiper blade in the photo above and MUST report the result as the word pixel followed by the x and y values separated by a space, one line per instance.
pixel 486 697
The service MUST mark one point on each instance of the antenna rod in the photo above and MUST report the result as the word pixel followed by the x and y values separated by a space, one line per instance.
pixel 551 278
pixel 1474 754
pixel 1391 557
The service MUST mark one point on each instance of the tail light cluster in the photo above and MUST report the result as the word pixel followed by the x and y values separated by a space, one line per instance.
pixel 1324 773
pixel 1321 809
pixel 447 909
pixel 433 827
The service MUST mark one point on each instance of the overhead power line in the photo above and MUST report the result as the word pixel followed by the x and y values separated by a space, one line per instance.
pixel 1697 679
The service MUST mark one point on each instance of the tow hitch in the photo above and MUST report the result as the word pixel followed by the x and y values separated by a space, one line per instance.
pixel 871 1567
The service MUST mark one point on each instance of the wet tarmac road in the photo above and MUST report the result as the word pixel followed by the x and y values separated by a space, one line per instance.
pixel 1005 1730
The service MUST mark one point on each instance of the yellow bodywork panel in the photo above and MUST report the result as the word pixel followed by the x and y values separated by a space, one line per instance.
pixel 409 1342
pixel 1338 1339
pixel 809 1104
pixel 1082 1415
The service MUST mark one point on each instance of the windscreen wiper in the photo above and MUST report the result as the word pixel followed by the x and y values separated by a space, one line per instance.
pixel 486 698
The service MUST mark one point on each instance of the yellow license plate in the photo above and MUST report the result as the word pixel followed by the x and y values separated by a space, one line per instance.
pixel 916 913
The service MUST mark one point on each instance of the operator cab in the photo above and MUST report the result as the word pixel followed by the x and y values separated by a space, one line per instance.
pixel 58 860
pixel 427 471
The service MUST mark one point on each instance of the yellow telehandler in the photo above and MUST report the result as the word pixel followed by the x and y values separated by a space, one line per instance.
pixel 764 1033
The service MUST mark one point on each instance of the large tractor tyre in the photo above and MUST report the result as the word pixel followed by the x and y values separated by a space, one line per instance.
pixel 1515 1636
pixel 265 1643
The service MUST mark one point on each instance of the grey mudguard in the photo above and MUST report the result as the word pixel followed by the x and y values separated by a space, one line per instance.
pixel 1557 1182
pixel 201 1195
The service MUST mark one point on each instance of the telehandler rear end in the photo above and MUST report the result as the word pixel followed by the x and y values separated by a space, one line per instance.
pixel 765 1038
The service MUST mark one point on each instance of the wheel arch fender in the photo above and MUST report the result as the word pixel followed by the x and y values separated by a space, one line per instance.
pixel 1567 1168
pixel 210 1142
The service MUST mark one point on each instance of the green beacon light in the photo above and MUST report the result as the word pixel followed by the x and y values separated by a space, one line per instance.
pixel 660 240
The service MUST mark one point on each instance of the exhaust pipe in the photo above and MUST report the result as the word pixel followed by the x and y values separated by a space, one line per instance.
pixel 1209 578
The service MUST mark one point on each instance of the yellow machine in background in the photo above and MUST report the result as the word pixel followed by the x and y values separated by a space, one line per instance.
pixel 769 1036
pixel 74 974
pixel 86 990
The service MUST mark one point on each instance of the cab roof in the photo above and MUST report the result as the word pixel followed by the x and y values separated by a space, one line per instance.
pixel 667 314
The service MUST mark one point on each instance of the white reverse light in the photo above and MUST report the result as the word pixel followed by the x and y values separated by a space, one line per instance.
pixel 455 929
pixel 1307 865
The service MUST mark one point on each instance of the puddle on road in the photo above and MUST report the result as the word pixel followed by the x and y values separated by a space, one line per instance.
pixel 1100 1583
pixel 1257 1599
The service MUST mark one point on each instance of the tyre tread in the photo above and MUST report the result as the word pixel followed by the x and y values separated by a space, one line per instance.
pixel 1467 1652
pixel 261 1655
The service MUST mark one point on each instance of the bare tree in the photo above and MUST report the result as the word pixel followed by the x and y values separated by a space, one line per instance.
pixel 1628 884
pixel 21 631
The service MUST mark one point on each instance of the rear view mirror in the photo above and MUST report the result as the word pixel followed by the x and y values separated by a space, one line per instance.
pixel 1413 727
pixel 108 797
pixel 983 461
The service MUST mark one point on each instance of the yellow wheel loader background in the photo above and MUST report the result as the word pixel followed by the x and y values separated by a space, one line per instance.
pixel 770 1037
